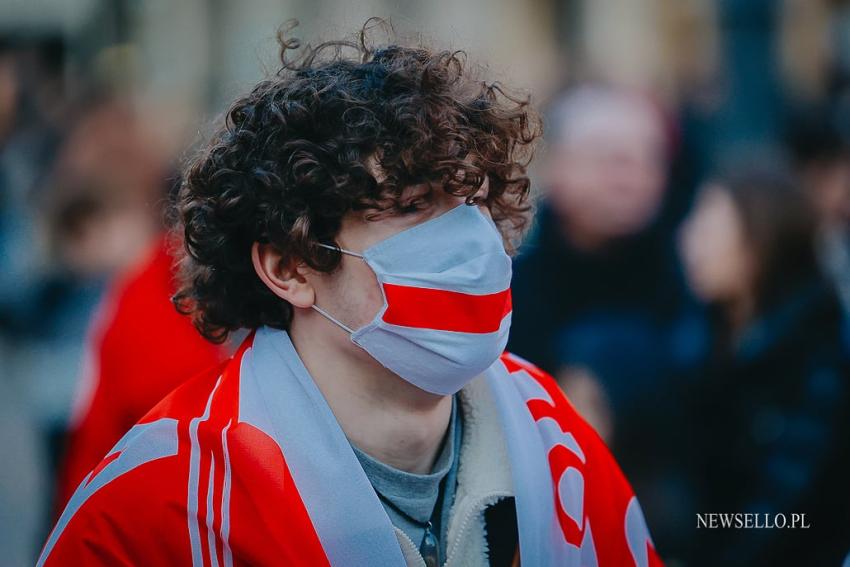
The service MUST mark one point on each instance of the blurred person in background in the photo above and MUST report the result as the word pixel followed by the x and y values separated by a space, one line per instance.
pixel 126 368
pixel 819 142
pixel 770 414
pixel 96 211
pixel 95 220
pixel 599 298
pixel 82 189
pixel 111 190
pixel 31 118
pixel 104 189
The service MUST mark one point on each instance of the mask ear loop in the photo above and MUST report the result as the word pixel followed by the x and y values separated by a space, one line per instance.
pixel 321 311
pixel 331 318
pixel 338 249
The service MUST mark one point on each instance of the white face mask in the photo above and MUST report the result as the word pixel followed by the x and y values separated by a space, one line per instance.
pixel 447 300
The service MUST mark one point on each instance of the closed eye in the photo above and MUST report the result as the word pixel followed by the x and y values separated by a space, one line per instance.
pixel 411 207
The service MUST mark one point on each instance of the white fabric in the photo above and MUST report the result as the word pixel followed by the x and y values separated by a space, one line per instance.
pixel 460 251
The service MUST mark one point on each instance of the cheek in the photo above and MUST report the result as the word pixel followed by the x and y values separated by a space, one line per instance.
pixel 570 182
pixel 715 262
pixel 360 293
pixel 640 183
pixel 722 262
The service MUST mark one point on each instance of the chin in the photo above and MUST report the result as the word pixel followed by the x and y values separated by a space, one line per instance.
pixel 703 290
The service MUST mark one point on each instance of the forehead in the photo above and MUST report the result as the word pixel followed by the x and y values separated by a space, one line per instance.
pixel 714 200
pixel 610 116
pixel 433 190
pixel 362 228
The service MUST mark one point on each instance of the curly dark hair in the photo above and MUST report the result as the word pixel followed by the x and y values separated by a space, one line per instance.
pixel 293 157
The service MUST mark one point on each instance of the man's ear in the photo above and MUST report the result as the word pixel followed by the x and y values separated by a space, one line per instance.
pixel 281 276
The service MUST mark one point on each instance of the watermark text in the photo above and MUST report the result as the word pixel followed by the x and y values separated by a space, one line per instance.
pixel 751 521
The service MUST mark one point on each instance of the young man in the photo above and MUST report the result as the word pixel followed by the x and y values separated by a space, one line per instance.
pixel 355 211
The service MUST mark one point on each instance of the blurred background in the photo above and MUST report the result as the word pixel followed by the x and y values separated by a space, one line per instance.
pixel 687 277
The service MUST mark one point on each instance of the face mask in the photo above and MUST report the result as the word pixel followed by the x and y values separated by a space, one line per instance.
pixel 447 300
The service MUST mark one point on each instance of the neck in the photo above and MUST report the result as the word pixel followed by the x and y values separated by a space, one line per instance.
pixel 383 415
pixel 740 313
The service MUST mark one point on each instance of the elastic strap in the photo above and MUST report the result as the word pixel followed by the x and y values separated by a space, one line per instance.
pixel 338 249
pixel 330 318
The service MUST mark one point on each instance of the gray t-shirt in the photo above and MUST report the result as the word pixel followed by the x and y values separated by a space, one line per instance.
pixel 417 494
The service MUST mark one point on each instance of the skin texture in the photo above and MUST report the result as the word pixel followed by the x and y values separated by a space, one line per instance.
pixel 384 415
pixel 605 172
pixel 829 188
pixel 589 398
pixel 717 255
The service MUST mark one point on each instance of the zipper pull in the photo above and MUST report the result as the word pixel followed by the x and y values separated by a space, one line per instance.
pixel 430 548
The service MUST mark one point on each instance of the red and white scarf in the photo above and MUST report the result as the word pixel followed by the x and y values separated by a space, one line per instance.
pixel 248 466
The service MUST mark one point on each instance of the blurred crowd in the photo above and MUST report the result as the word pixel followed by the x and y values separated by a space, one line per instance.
pixel 686 279
pixel 80 184
pixel 708 345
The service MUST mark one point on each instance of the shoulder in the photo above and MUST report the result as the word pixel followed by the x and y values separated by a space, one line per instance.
pixel 189 398
pixel 147 278
pixel 141 298
pixel 589 485
pixel 188 473
pixel 142 481
pixel 571 441
pixel 536 385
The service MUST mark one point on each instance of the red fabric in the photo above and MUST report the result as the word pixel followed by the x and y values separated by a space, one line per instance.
pixel 140 517
pixel 607 493
pixel 103 464
pixel 445 310
pixel 131 363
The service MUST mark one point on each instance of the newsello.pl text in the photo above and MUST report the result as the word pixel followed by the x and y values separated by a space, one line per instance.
pixel 751 521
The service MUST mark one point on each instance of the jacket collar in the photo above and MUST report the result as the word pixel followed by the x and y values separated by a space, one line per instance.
pixel 484 478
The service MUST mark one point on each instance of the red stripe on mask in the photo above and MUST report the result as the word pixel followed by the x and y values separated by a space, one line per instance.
pixel 445 310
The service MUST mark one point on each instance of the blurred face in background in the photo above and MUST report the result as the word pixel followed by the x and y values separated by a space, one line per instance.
pixel 606 168
pixel 99 231
pixel 718 258
pixel 107 185
pixel 828 185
